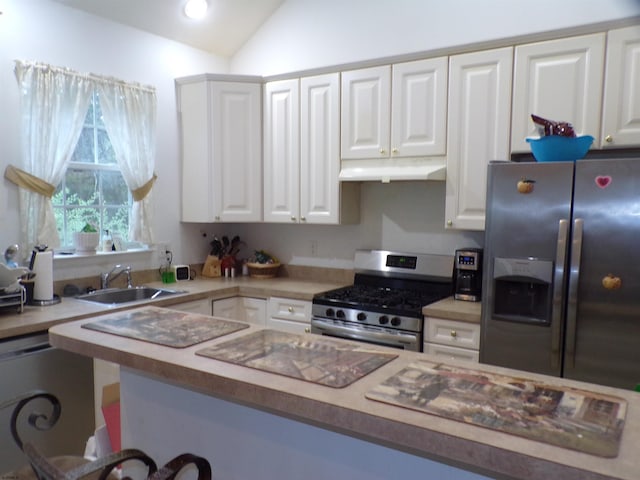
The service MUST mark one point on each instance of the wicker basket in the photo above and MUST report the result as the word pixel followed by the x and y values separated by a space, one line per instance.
pixel 263 270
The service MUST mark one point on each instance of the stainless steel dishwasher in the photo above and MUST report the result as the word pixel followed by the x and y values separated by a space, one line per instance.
pixel 29 362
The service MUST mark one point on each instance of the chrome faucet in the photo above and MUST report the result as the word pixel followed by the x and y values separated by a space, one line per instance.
pixel 106 278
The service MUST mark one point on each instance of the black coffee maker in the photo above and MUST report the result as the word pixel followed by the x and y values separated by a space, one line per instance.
pixel 468 274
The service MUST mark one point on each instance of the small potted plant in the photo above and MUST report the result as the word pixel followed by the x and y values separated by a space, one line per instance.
pixel 86 240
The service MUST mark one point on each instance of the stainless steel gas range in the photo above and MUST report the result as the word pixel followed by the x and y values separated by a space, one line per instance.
pixel 384 304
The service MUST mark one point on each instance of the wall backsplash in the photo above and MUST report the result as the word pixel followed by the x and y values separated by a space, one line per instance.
pixel 405 216
pixel 144 277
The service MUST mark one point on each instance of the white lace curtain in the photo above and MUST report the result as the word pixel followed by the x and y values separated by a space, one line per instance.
pixel 54 103
pixel 130 117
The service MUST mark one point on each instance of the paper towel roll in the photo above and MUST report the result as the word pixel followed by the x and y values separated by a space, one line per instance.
pixel 43 268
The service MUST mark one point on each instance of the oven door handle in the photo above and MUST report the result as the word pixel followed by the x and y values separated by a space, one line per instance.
pixel 367 335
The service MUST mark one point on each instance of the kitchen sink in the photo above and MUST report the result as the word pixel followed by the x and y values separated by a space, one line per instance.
pixel 116 296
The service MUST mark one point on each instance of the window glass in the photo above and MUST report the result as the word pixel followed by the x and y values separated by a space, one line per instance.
pixel 93 189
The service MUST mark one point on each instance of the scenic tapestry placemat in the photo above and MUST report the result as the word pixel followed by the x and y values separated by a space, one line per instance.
pixel 165 327
pixel 576 419
pixel 310 358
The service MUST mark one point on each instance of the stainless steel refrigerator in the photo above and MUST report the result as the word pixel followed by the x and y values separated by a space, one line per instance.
pixel 561 291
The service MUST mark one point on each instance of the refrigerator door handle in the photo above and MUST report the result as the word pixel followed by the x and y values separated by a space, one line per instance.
pixel 572 295
pixel 558 285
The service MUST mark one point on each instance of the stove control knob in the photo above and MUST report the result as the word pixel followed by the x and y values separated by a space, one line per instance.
pixel 362 316
pixel 383 320
pixel 340 314
pixel 330 312
pixel 395 321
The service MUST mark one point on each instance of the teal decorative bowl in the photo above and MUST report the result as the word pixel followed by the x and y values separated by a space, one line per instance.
pixel 556 148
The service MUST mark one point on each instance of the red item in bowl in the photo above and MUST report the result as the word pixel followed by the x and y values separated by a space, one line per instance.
pixel 564 129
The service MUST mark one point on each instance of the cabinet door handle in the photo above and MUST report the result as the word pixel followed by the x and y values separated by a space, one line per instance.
pixel 394 150
pixel 303 219
pixel 382 151
pixel 290 309
pixel 454 334
pixel 293 219
pixel 608 139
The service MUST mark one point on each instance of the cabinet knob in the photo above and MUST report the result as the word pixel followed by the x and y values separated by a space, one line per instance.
pixel 449 223
pixel 293 219
pixel 394 150
pixel 608 139
pixel 307 330
pixel 303 219
pixel 290 309
pixel 454 334
pixel 382 151
pixel 217 218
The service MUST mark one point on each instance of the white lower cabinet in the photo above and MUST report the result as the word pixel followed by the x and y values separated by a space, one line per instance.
pixel 203 307
pixel 289 314
pixel 245 309
pixel 452 339
pixel 253 310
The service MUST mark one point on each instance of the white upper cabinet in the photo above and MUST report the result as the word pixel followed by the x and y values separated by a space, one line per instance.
pixel 221 150
pixel 302 153
pixel 419 108
pixel 621 105
pixel 282 151
pixel 366 112
pixel 559 80
pixel 395 111
pixel 323 199
pixel 478 131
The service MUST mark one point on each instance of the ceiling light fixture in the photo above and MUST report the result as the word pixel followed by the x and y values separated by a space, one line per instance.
pixel 196 9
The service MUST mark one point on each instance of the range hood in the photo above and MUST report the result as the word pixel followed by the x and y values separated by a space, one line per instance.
pixel 393 169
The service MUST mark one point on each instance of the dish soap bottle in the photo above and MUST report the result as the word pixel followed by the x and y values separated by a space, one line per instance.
pixel 107 242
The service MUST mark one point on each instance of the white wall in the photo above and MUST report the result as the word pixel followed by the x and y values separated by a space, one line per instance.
pixel 307 34
pixel 48 32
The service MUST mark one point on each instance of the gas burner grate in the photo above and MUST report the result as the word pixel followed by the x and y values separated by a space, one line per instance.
pixel 364 297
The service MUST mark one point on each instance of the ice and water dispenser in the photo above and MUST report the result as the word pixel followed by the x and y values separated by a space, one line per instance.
pixel 523 290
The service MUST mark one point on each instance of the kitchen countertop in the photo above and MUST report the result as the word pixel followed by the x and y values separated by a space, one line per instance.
pixel 452 309
pixel 348 411
pixel 39 319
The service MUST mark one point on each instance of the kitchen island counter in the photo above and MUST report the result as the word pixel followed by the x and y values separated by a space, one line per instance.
pixel 153 374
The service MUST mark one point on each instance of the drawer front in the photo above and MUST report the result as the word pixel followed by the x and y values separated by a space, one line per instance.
pixel 452 333
pixel 451 353
pixel 290 309
pixel 287 325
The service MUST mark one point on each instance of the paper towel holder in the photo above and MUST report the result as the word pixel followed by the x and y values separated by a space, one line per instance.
pixel 54 299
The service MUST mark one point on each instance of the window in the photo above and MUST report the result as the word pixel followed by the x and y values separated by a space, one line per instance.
pixel 93 189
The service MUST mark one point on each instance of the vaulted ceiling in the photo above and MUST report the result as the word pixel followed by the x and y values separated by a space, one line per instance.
pixel 225 29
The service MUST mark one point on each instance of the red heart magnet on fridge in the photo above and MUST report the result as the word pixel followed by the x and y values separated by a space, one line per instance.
pixel 603 181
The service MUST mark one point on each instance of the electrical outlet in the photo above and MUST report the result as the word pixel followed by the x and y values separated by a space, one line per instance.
pixel 314 248
pixel 162 252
